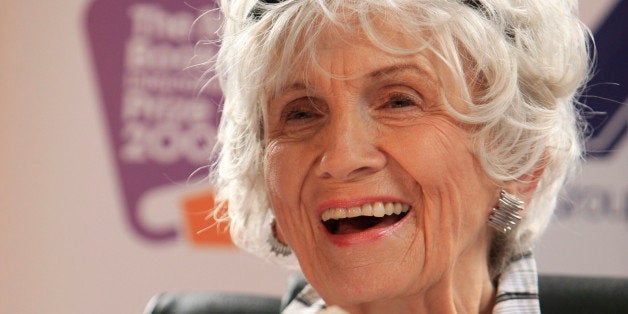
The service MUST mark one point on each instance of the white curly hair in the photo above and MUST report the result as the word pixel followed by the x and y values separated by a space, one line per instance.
pixel 527 59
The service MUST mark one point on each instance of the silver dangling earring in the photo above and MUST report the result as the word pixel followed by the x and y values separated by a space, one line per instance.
pixel 276 246
pixel 506 216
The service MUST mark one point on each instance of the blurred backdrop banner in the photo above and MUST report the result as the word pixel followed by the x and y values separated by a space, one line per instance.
pixel 161 119
pixel 598 197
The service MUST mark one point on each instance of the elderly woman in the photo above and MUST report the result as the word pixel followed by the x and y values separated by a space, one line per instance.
pixel 407 153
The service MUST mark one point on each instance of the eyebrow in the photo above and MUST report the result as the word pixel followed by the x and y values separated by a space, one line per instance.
pixel 393 69
pixel 295 86
pixel 375 75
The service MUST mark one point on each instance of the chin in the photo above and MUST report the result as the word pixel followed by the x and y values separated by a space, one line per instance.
pixel 375 264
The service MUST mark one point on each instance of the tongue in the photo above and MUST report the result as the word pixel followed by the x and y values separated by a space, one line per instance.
pixel 359 224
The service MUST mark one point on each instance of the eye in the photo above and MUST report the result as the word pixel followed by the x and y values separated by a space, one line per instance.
pixel 298 114
pixel 300 110
pixel 399 101
pixel 295 118
pixel 406 99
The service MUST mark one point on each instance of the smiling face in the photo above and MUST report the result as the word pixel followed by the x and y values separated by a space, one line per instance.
pixel 373 185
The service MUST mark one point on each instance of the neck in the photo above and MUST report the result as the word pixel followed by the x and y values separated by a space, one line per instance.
pixel 446 297
pixel 466 288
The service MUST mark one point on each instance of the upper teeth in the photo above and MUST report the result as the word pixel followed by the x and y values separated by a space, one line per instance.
pixel 377 209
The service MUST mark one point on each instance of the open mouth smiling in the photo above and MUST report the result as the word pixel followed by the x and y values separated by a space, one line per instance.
pixel 341 221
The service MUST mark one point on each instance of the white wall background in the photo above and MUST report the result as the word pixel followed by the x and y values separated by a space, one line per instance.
pixel 64 245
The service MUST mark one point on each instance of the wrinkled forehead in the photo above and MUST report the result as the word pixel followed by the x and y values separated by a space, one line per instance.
pixel 316 45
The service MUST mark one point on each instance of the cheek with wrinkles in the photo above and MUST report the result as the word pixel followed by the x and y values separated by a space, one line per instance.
pixel 428 149
pixel 437 154
pixel 440 158
pixel 282 182
pixel 271 171
pixel 284 172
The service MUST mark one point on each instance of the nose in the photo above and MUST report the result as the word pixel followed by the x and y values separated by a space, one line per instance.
pixel 350 150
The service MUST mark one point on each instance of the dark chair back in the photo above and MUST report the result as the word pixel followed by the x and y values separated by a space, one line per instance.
pixel 212 302
pixel 566 294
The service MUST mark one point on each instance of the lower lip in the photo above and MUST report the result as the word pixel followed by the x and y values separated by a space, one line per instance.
pixel 368 236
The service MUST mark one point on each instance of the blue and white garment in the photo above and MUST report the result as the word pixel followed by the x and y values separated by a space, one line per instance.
pixel 518 288
pixel 517 292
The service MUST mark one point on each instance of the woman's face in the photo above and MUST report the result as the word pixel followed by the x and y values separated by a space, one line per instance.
pixel 375 136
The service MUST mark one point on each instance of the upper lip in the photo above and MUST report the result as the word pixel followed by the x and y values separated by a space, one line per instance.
pixel 353 202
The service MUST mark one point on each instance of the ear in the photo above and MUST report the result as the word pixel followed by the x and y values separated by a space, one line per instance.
pixel 525 186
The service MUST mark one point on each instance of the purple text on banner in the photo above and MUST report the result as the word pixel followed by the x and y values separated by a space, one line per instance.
pixel 161 123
